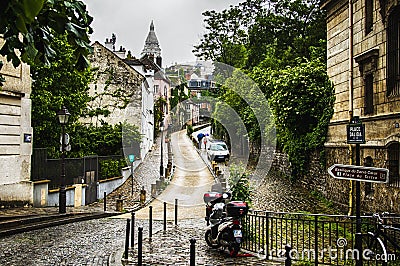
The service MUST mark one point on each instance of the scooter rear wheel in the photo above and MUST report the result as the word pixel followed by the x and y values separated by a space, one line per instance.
pixel 234 250
pixel 209 241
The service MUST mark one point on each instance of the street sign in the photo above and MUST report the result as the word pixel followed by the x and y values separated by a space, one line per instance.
pixel 131 158
pixel 359 173
pixel 355 131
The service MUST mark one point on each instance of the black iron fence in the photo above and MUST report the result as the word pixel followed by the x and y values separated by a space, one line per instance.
pixel 311 239
pixel 77 169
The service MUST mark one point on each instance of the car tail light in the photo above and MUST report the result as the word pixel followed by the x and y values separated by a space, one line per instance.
pixel 236 222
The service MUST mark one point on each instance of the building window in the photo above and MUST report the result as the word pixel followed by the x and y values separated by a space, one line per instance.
pixel 393 163
pixel 393 53
pixel 369 16
pixel 155 89
pixel 369 94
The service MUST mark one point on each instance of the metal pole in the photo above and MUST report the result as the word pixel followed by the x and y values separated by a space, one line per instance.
pixel 140 248
pixel 192 252
pixel 63 195
pixel 358 212
pixel 132 229
pixel 132 177
pixel 288 259
pixel 161 162
pixel 150 222
pixel 105 201
pixel 165 216
pixel 176 211
pixel 127 238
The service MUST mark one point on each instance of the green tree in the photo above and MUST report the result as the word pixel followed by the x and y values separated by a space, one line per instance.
pixel 55 85
pixel 224 41
pixel 301 99
pixel 29 26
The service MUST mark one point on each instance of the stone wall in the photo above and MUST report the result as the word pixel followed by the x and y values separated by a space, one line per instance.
pixel 377 198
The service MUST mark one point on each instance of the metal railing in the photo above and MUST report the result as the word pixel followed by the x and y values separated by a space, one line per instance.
pixel 314 239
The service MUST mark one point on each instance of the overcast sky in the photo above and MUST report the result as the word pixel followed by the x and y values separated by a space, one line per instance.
pixel 178 24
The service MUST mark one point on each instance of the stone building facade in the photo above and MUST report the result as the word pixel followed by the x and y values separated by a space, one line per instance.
pixel 121 90
pixel 15 136
pixel 363 52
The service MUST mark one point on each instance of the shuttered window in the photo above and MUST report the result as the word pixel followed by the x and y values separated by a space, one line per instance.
pixel 369 16
pixel 393 53
pixel 369 94
pixel 393 163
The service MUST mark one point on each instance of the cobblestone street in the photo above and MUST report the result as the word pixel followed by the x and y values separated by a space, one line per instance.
pixel 101 242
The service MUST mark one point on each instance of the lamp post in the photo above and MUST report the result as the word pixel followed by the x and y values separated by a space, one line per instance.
pixel 63 116
pixel 161 161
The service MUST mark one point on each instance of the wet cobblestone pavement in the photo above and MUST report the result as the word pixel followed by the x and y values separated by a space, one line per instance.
pixel 172 247
pixel 101 242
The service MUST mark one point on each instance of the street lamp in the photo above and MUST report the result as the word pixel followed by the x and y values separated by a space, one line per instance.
pixel 161 162
pixel 63 116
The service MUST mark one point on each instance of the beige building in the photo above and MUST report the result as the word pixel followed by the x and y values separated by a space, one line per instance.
pixel 15 136
pixel 363 58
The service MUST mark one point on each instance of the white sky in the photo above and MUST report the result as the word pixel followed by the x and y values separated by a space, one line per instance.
pixel 178 24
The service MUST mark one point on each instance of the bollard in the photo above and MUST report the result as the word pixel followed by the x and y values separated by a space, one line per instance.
pixel 176 212
pixel 153 190
pixel 142 196
pixel 150 222
pixel 192 252
pixel 119 204
pixel 165 216
pixel 105 201
pixel 132 229
pixel 288 259
pixel 127 238
pixel 140 246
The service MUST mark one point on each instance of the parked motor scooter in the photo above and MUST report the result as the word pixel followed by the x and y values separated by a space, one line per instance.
pixel 225 229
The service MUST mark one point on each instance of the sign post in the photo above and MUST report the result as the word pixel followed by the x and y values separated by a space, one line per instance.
pixel 131 160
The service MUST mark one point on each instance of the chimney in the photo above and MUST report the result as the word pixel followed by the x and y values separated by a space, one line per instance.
pixel 159 61
pixel 110 43
pixel 121 52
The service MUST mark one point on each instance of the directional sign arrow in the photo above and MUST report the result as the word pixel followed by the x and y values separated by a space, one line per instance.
pixel 359 173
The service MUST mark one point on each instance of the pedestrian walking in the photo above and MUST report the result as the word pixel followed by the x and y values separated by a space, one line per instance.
pixel 205 142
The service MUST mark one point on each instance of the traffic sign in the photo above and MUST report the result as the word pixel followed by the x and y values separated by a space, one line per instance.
pixel 359 173
pixel 131 158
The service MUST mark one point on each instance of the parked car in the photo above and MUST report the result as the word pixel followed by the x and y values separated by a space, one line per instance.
pixel 217 150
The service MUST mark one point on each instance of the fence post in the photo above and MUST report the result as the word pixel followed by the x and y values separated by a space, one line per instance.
pixel 176 212
pixel 127 238
pixel 105 201
pixel 267 234
pixel 165 216
pixel 288 259
pixel 192 252
pixel 140 246
pixel 132 229
pixel 150 222
pixel 316 239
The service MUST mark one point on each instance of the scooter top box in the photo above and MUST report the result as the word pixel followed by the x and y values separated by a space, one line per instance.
pixel 209 196
pixel 236 208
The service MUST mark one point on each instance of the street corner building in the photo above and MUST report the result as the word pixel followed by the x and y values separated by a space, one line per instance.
pixel 16 188
pixel 363 51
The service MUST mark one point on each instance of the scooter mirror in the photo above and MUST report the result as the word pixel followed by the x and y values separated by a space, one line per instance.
pixel 225 196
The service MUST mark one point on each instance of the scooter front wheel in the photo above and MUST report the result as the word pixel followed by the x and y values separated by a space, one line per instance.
pixel 209 240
